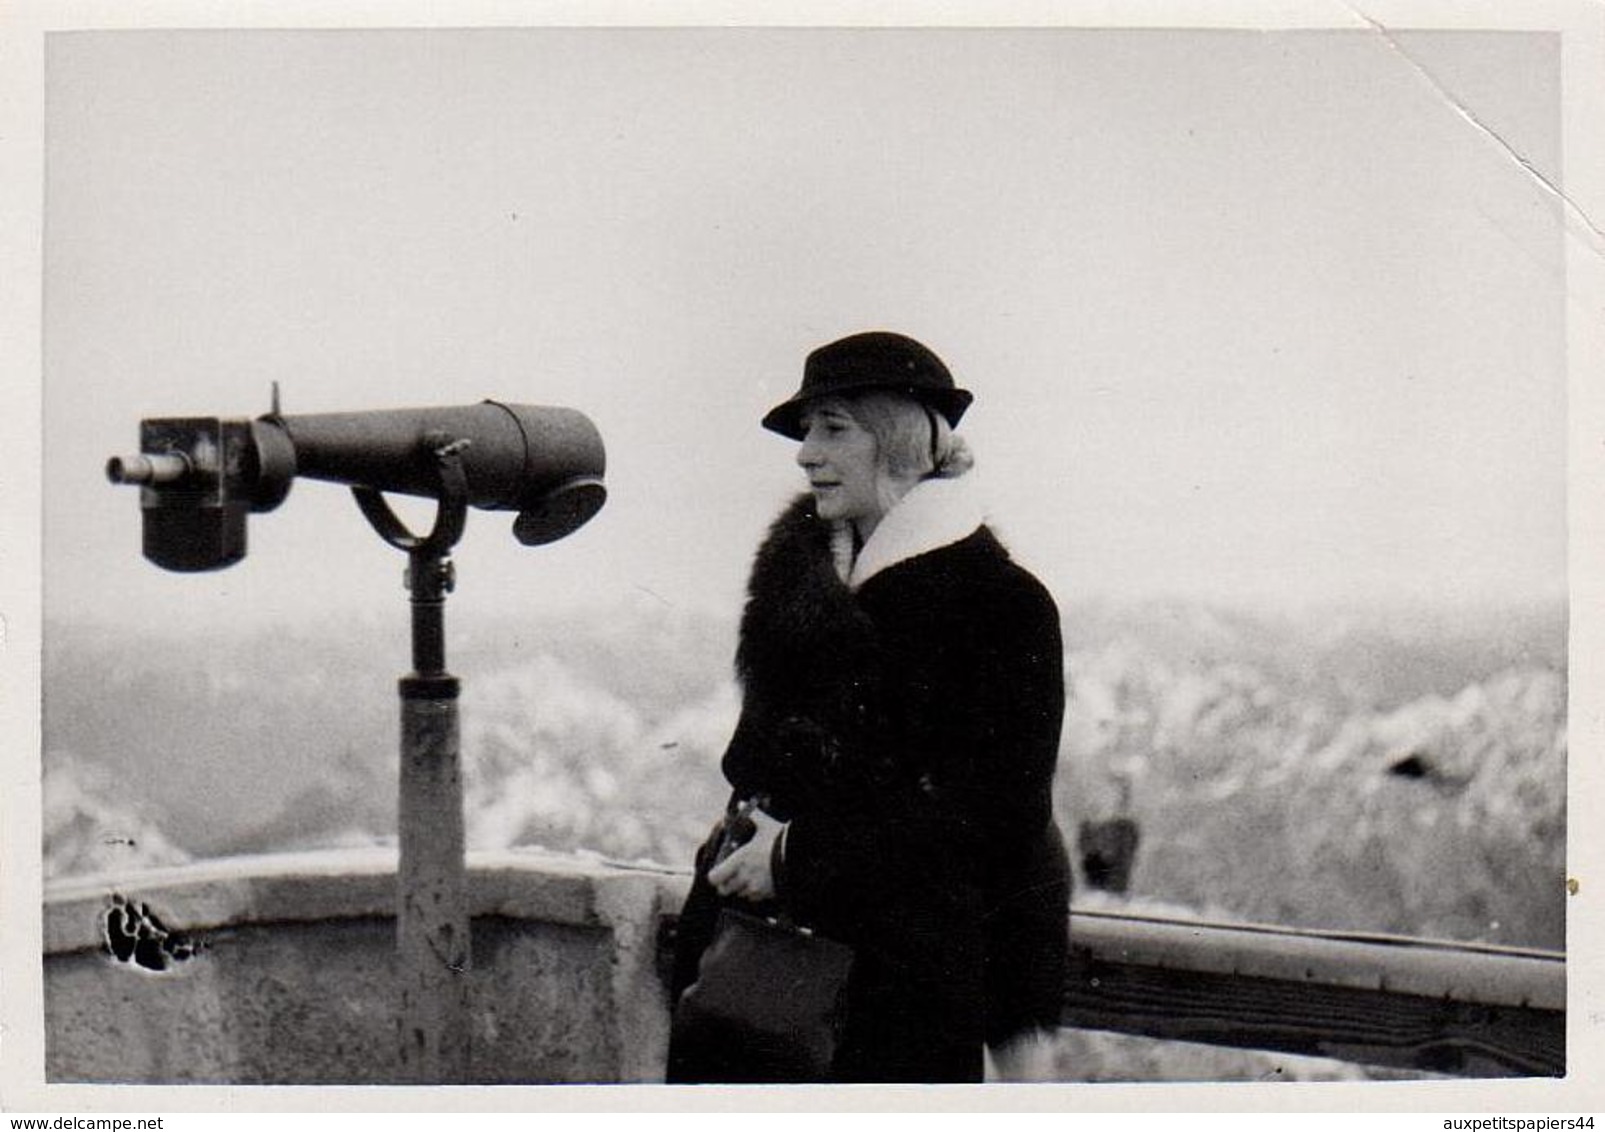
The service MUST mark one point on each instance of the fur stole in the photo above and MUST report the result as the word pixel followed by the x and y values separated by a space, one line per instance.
pixel 810 665
pixel 800 611
pixel 817 698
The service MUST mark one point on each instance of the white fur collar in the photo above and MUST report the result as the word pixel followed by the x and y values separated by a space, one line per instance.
pixel 935 513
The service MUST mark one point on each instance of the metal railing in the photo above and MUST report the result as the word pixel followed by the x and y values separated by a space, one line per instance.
pixel 1464 1009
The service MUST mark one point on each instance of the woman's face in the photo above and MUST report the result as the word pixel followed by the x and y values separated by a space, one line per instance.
pixel 839 455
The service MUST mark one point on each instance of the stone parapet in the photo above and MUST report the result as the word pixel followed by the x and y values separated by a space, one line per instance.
pixel 282 969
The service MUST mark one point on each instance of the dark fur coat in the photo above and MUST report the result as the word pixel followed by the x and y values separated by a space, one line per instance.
pixel 908 731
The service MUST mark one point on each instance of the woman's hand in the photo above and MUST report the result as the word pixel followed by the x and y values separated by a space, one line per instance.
pixel 746 872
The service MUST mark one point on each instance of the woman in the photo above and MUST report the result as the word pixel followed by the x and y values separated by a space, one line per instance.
pixel 902 694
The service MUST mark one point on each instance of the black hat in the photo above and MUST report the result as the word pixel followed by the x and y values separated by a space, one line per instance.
pixel 876 359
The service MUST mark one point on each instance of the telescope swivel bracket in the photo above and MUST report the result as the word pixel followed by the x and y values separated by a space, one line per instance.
pixel 430 573
pixel 450 516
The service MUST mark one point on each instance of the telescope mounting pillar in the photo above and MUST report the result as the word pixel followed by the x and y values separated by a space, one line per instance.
pixel 432 928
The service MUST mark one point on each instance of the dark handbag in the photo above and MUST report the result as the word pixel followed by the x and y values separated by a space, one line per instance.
pixel 768 1004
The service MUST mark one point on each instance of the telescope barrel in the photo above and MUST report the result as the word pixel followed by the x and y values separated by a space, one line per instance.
pixel 545 463
pixel 512 451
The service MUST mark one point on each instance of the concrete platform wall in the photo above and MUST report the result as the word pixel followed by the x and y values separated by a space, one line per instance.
pixel 279 970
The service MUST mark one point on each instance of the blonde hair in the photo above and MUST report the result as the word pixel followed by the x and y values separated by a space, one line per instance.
pixel 913 442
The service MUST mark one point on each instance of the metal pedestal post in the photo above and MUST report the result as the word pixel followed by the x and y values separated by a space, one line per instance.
pixel 432 930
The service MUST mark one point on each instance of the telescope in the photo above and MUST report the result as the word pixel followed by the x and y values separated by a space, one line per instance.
pixel 201 477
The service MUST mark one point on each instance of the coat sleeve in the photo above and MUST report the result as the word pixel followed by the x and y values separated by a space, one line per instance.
pixel 979 697
pixel 1015 725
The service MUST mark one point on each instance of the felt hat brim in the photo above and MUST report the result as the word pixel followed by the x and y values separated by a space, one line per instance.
pixel 874 359
pixel 786 417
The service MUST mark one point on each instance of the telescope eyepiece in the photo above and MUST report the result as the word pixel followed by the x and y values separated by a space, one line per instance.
pixel 560 511
pixel 147 468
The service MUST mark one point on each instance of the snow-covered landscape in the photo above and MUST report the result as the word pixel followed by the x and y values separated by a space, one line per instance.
pixel 1366 771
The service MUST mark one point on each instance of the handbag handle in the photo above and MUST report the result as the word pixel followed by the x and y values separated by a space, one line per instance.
pixel 739 829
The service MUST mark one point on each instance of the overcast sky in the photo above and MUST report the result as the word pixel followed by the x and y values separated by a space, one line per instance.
pixel 1264 317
